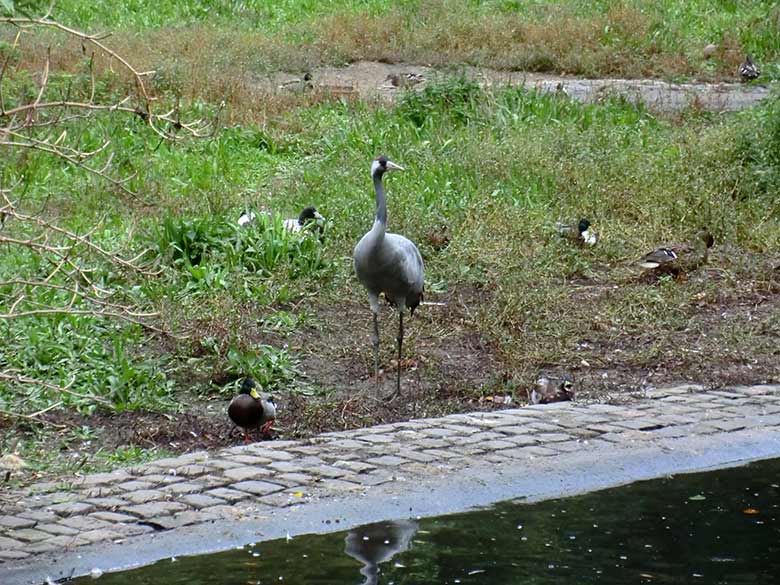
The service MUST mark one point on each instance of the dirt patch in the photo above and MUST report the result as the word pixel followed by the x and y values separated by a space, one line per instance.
pixel 367 79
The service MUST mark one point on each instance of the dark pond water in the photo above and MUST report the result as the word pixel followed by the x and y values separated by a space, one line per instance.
pixel 711 528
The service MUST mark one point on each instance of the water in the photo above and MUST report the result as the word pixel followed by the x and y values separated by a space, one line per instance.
pixel 710 528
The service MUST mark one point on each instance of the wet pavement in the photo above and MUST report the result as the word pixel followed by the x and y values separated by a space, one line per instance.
pixel 203 501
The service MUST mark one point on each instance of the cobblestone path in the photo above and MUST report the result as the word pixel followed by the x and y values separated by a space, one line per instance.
pixel 254 481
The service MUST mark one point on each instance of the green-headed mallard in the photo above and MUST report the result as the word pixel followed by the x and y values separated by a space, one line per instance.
pixel 552 389
pixel 580 233
pixel 679 259
pixel 748 69
pixel 249 410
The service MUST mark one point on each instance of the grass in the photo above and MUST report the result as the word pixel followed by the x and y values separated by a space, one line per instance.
pixel 498 167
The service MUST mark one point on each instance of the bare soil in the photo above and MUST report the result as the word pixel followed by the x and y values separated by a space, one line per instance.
pixel 370 79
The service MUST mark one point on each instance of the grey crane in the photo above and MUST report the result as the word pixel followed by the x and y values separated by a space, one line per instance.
pixel 390 264
pixel 378 543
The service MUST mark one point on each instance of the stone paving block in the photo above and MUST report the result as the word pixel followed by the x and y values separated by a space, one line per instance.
pixel 328 471
pixel 47 547
pixel 496 445
pixel 270 453
pixel 135 485
pixel 40 515
pixel 521 440
pixel 106 478
pixel 84 523
pixel 15 522
pixel 192 470
pixel 280 500
pixel 568 446
pixel 106 503
pixel 153 509
pixel 199 501
pixel 431 443
pixel 387 461
pixel 244 473
pixel 162 478
pixel 293 478
pixel 442 454
pixel 144 496
pixel 57 529
pixel 224 464
pixel 71 508
pixel 184 487
pixel 418 456
pixel 57 542
pixel 28 534
pixel 227 494
pixel 101 535
pixel 190 517
pixel 639 424
pixel 379 438
pixel 246 459
pixel 529 452
pixel 338 485
pixel 257 487
pixel 355 466
pixel 347 444
pixel 213 481
pixel 545 438
pixel 113 517
pixel 728 425
pixel 13 555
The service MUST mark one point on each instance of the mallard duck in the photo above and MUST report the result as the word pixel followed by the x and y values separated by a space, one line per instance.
pixel 307 216
pixel 304 83
pixel 552 389
pixel 748 69
pixel 580 233
pixel 710 50
pixel 249 410
pixel 679 259
pixel 438 237
pixel 404 79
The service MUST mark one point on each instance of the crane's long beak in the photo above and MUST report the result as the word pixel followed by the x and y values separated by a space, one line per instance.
pixel 391 166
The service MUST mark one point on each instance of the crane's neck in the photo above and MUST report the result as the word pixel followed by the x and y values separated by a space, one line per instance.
pixel 380 222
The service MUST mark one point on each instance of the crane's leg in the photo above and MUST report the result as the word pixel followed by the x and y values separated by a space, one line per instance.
pixel 400 341
pixel 373 300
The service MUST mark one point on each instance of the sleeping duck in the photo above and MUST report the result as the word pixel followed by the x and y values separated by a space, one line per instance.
pixel 678 259
pixel 307 216
pixel 580 233
pixel 247 218
pixel 249 410
pixel 748 69
pixel 552 389
pixel 404 79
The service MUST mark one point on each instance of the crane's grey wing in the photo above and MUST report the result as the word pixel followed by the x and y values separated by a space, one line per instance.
pixel 409 262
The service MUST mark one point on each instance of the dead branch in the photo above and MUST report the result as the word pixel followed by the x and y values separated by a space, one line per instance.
pixel 12 375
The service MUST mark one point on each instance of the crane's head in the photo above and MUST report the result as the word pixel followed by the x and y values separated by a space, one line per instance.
pixel 382 164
